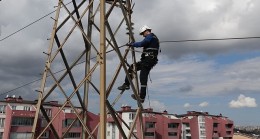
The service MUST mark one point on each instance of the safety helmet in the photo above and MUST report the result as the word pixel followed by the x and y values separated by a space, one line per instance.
pixel 143 29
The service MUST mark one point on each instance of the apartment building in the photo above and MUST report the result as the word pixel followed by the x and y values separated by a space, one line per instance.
pixel 156 125
pixel 202 125
pixel 17 117
pixel 162 125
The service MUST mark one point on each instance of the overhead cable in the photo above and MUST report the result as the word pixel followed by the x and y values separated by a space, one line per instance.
pixel 219 39
pixel 36 80
pixel 177 41
pixel 29 24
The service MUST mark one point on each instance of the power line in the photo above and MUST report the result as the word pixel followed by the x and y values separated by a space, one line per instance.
pixel 20 86
pixel 173 41
pixel 219 39
pixel 189 40
pixel 49 75
pixel 29 24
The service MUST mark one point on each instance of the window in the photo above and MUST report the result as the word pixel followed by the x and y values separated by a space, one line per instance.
pixel 15 135
pixel 113 132
pixel 48 112
pixel 1 135
pixel 72 135
pixel 202 125
pixel 2 109
pixel 46 134
pixel 201 119
pixel 150 125
pixel 215 125
pixel 228 132
pixel 187 131
pixel 172 125
pixel 131 116
pixel 68 122
pixel 108 133
pixel 68 110
pixel 149 134
pixel 22 121
pixel 172 133
pixel 228 126
pixel 13 107
pixel 2 122
pixel 27 108
pixel 186 124
pixel 202 132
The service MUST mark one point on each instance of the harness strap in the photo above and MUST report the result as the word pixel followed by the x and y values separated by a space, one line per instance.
pixel 151 49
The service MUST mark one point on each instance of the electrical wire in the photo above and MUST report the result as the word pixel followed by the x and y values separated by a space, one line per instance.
pixel 160 41
pixel 29 25
pixel 36 80
pixel 219 39
pixel 26 26
pixel 173 41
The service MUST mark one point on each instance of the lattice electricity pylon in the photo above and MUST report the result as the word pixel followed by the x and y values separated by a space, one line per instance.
pixel 77 34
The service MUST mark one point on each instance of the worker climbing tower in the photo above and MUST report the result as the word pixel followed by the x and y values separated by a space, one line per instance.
pixel 84 33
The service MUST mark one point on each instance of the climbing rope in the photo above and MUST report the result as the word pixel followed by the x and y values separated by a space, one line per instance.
pixel 148 96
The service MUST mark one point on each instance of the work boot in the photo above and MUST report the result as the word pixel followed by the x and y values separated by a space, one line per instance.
pixel 123 87
pixel 141 100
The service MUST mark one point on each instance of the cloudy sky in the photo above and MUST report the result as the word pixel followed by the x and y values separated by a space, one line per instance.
pixel 220 76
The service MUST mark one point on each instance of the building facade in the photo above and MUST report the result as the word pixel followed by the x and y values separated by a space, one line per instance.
pixel 201 125
pixel 17 117
pixel 193 125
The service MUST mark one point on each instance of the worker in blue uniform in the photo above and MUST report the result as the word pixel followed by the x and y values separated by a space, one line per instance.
pixel 149 59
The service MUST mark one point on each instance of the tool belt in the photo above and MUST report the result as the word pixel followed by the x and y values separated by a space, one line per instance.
pixel 149 59
pixel 150 53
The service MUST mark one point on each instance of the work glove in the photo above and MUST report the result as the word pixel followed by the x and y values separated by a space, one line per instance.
pixel 129 44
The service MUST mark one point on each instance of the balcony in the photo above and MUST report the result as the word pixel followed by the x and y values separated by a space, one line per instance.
pixel 216 135
pixel 187 128
pixel 229 127
pixel 19 113
pixel 229 134
pixel 188 135
pixel 150 135
pixel 149 118
pixel 150 127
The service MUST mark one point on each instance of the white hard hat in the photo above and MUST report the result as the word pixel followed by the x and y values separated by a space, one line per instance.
pixel 143 29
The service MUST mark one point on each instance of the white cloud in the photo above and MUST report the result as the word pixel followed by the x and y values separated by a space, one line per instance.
pixel 205 78
pixel 200 5
pixel 187 105
pixel 204 104
pixel 156 105
pixel 243 101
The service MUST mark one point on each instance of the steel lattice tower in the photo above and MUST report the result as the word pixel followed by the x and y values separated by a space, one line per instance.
pixel 83 34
